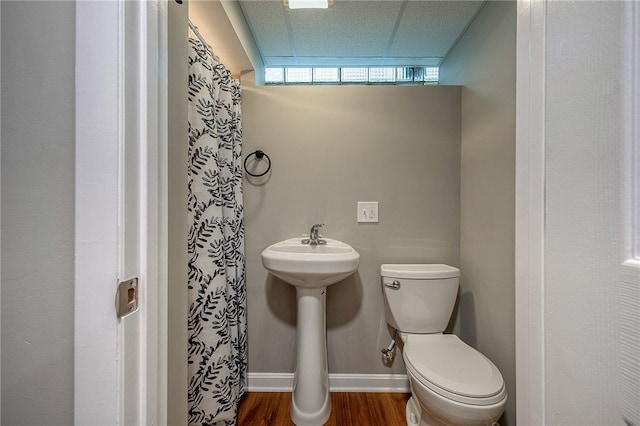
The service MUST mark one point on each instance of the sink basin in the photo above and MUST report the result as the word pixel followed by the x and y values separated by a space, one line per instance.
pixel 310 266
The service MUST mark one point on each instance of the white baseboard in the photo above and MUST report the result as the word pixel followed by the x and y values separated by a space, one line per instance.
pixel 283 382
pixel 270 382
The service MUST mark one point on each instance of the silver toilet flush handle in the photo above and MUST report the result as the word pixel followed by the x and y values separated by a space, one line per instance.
pixel 395 285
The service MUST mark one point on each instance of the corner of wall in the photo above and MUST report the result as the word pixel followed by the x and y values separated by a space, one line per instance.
pixel 483 62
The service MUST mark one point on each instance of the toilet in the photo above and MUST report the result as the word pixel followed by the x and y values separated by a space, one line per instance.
pixel 451 382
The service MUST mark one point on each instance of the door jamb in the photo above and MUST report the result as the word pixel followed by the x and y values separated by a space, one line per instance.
pixel 530 207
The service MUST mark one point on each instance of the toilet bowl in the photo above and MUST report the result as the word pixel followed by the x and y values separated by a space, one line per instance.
pixel 451 382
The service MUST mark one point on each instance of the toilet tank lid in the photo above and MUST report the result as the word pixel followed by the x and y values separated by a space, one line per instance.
pixel 417 271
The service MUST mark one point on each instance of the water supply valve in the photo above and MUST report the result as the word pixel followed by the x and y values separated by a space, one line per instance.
pixel 389 352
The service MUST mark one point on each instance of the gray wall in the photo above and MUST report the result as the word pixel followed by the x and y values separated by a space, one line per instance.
pixel 584 125
pixel 483 62
pixel 38 109
pixel 331 147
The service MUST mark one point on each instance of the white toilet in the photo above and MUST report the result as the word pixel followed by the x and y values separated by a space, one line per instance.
pixel 451 382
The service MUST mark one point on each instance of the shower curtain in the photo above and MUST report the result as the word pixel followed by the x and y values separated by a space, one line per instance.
pixel 217 324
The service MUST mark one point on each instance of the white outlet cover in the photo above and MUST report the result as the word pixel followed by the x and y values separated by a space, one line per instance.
pixel 367 211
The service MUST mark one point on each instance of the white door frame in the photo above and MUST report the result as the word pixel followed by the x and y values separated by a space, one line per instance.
pixel 105 32
pixel 96 365
pixel 530 180
pixel 530 202
pixel 97 46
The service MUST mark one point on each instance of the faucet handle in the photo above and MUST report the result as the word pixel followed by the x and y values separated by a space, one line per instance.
pixel 314 229
pixel 313 234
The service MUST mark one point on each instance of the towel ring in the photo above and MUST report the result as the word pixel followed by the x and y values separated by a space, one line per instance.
pixel 259 155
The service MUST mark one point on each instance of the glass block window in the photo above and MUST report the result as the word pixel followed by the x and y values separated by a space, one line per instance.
pixel 352 75
pixel 274 75
pixel 431 74
pixel 326 75
pixel 382 75
pixel 404 74
pixel 355 75
pixel 298 75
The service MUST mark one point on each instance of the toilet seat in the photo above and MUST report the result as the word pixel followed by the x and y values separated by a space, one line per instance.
pixel 449 367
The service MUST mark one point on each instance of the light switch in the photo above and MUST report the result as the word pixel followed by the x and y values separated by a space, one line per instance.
pixel 367 211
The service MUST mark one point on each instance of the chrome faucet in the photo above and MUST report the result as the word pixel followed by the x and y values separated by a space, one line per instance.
pixel 314 238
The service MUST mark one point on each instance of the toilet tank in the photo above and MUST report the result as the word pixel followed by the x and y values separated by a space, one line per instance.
pixel 419 298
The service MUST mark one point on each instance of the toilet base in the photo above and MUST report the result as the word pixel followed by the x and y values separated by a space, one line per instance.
pixel 416 416
pixel 413 412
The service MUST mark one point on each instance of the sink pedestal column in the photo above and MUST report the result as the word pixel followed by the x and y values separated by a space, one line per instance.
pixel 311 404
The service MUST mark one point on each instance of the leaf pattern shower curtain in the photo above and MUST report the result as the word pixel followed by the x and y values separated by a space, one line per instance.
pixel 217 323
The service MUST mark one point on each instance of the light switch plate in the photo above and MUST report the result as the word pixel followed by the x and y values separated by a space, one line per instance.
pixel 367 211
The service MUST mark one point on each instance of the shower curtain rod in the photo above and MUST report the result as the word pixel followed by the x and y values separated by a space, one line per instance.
pixel 197 33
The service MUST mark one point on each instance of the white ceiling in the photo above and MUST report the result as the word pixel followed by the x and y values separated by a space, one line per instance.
pixel 358 32
pixel 352 32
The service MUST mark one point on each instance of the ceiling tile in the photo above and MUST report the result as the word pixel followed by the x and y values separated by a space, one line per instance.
pixel 358 32
pixel 268 24
pixel 430 28
pixel 353 28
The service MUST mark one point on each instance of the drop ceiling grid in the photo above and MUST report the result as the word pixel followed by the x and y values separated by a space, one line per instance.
pixel 267 22
pixel 431 28
pixel 358 32
pixel 344 31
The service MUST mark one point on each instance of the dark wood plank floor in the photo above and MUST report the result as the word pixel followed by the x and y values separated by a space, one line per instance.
pixel 347 409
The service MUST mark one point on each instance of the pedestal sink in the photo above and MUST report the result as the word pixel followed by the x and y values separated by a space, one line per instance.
pixel 311 268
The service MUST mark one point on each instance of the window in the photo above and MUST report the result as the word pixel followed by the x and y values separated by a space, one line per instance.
pixel 298 75
pixel 274 74
pixel 351 75
pixel 355 75
pixel 326 75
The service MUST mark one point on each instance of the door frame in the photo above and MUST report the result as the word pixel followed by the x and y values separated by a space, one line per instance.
pixel 530 190
pixel 96 338
pixel 530 208
pixel 103 33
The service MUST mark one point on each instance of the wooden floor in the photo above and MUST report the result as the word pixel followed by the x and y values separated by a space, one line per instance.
pixel 347 409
